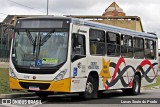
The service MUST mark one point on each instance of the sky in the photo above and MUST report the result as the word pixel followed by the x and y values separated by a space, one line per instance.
pixel 147 10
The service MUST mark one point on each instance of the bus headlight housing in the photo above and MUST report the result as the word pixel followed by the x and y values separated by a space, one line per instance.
pixel 60 75
pixel 12 74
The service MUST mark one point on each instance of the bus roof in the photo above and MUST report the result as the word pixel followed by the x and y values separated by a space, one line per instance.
pixel 98 25
pixel 112 28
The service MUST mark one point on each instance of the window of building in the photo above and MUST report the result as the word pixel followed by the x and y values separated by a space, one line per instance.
pixel 149 49
pixel 97 42
pixel 126 46
pixel 113 44
pixel 138 48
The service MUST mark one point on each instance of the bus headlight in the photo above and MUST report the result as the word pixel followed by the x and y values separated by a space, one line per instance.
pixel 12 74
pixel 60 75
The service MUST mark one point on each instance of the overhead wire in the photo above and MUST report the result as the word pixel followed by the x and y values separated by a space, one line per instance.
pixel 25 6
pixel 3 13
pixel 20 5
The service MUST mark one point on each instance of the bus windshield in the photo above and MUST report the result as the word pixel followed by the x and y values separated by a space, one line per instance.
pixel 40 48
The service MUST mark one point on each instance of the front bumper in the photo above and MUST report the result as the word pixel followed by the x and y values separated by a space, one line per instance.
pixel 51 86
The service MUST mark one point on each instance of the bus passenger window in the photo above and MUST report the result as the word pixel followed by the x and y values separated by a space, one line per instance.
pixel 138 48
pixel 97 42
pixel 149 49
pixel 113 44
pixel 126 46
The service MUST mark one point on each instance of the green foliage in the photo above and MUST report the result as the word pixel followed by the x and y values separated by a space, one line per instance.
pixel 156 84
pixel 4 82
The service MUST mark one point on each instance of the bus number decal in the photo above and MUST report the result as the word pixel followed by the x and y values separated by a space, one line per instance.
pixel 93 65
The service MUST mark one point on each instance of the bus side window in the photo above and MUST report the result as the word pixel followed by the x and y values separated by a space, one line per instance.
pixel 81 44
pixel 138 48
pixel 97 42
pixel 73 43
pixel 126 46
pixel 113 44
pixel 149 49
pixel 78 44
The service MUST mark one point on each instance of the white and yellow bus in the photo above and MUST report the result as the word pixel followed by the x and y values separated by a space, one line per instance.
pixel 60 54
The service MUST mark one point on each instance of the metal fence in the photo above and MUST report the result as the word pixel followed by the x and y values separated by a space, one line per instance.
pixel 5 41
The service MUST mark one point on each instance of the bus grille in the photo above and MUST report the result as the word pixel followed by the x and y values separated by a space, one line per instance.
pixel 42 86
pixel 35 71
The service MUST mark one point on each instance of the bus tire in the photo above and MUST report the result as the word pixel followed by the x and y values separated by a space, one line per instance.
pixel 42 94
pixel 135 90
pixel 136 85
pixel 100 93
pixel 91 90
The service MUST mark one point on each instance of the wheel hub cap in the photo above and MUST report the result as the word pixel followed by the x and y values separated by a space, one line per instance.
pixel 89 88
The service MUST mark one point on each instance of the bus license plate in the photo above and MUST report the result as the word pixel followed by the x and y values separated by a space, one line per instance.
pixel 34 88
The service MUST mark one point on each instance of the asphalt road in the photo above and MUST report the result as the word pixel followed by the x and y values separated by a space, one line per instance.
pixel 109 99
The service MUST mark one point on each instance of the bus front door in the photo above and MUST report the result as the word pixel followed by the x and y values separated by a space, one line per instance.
pixel 78 59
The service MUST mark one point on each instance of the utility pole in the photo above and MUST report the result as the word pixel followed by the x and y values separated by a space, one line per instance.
pixel 47 6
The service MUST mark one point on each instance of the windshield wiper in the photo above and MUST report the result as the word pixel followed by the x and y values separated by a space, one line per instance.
pixel 33 42
pixel 46 38
pixel 38 42
pixel 30 37
pixel 38 45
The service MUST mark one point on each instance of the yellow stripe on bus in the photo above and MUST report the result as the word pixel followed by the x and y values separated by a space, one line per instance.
pixel 55 86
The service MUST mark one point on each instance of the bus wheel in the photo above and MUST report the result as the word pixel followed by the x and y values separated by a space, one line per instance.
pixel 135 90
pixel 91 90
pixel 42 94
pixel 136 85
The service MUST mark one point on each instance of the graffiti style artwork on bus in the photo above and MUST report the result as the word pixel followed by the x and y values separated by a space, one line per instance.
pixel 120 73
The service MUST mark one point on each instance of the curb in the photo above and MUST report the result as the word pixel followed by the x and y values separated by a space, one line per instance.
pixel 150 88
pixel 4 64
pixel 16 95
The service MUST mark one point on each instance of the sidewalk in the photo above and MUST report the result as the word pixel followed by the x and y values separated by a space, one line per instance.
pixel 4 64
